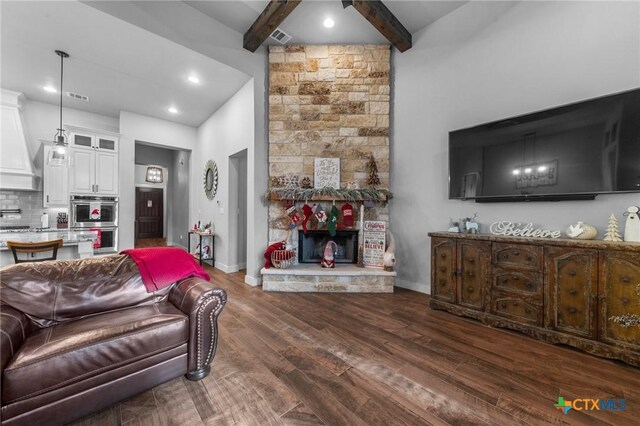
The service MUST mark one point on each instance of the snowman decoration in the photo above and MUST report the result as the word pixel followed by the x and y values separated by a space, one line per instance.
pixel 632 226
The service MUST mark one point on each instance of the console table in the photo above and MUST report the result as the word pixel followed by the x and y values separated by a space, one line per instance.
pixel 557 290
pixel 198 256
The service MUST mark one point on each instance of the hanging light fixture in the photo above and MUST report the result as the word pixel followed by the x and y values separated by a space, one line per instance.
pixel 154 174
pixel 59 155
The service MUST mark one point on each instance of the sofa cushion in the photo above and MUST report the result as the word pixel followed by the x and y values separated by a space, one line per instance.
pixel 72 351
pixel 65 290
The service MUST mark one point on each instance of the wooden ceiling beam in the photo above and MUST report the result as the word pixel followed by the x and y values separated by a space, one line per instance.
pixel 381 17
pixel 272 16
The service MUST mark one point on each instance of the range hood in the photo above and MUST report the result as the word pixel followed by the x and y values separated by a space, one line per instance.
pixel 16 167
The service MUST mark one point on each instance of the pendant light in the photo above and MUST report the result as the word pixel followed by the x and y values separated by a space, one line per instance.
pixel 59 155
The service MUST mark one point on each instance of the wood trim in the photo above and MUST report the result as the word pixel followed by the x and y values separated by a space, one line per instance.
pixel 384 21
pixel 272 16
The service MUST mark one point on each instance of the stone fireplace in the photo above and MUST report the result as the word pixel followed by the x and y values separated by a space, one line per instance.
pixel 327 102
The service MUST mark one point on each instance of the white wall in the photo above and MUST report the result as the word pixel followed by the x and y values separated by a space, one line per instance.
pixel 41 121
pixel 229 130
pixel 158 132
pixel 487 61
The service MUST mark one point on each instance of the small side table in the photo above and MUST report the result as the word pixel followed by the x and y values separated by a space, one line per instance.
pixel 209 261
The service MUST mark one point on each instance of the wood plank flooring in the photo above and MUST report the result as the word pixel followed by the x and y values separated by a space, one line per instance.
pixel 354 359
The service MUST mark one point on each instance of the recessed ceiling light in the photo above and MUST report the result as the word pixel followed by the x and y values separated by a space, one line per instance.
pixel 173 110
pixel 328 23
pixel 193 79
pixel 50 89
pixel 528 170
pixel 516 172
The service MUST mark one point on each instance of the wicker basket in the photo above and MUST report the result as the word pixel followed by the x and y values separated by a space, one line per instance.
pixel 282 259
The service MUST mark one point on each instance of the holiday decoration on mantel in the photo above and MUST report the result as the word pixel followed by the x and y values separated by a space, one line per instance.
pixel 302 194
pixel 306 183
pixel 582 231
pixel 612 233
pixel 290 181
pixel 512 229
pixel 372 168
pixel 389 258
pixel 326 173
pixel 632 226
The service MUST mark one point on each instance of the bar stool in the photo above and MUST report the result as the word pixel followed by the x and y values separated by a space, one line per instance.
pixel 29 248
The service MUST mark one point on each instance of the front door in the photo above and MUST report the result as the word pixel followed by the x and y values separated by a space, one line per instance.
pixel 149 215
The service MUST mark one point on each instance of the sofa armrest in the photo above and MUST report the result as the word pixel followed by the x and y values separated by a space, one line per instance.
pixel 202 302
pixel 14 329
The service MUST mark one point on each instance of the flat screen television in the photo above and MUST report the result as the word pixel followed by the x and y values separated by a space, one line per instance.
pixel 574 151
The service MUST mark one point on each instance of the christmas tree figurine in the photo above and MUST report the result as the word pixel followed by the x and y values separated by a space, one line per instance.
pixel 612 233
pixel 372 169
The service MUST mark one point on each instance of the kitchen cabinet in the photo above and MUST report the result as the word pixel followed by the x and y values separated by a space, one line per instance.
pixel 55 182
pixel 557 290
pixel 94 162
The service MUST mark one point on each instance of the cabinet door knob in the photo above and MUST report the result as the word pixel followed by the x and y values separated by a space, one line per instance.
pixel 444 256
pixel 572 273
pixel 573 291
pixel 470 274
pixel 470 289
pixel 624 279
pixel 515 303
pixel 471 260
pixel 572 310
pixel 529 258
pixel 504 305
pixel 527 310
pixel 625 301
pixel 516 278
pixel 442 282
pixel 443 269
pixel 516 253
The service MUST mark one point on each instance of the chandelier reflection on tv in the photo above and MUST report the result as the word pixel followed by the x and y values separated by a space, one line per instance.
pixel 536 174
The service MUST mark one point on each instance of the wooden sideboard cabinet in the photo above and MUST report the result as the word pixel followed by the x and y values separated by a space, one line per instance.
pixel 557 290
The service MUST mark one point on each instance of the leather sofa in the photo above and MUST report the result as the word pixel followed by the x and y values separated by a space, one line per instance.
pixel 79 335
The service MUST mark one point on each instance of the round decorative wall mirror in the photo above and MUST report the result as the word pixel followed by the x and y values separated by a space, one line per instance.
pixel 210 179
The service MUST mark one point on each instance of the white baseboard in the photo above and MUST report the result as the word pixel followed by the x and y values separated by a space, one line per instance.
pixel 410 285
pixel 252 281
pixel 172 244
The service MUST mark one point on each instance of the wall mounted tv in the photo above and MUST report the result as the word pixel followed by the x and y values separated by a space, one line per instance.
pixel 574 151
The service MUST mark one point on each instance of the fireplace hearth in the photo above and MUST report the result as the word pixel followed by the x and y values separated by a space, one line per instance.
pixel 311 246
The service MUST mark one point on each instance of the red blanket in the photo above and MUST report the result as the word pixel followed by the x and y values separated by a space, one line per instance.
pixel 163 266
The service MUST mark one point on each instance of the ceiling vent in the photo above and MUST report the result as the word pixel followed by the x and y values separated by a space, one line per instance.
pixel 78 96
pixel 280 36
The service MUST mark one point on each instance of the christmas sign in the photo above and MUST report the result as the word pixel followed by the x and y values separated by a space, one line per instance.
pixel 374 235
pixel 513 229
pixel 326 173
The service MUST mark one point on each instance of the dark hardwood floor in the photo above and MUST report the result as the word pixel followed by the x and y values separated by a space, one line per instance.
pixel 340 359
pixel 150 242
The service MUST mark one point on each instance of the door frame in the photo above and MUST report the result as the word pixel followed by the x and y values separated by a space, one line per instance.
pixel 164 208
pixel 236 264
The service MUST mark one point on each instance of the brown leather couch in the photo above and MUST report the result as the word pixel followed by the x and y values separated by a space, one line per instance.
pixel 79 335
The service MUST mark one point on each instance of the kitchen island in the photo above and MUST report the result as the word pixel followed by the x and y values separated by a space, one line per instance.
pixel 75 244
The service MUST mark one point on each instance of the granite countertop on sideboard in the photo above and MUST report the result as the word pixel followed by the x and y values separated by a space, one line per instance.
pixel 565 242
pixel 69 238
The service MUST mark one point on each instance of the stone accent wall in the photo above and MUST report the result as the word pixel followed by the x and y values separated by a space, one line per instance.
pixel 328 101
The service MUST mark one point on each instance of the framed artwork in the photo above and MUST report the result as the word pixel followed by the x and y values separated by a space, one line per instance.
pixel 326 173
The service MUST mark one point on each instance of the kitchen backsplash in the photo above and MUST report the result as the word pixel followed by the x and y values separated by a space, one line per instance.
pixel 30 204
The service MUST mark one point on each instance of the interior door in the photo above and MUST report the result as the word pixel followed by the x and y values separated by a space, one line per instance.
pixel 149 214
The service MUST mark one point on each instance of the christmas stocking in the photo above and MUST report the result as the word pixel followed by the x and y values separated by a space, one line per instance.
pixel 292 212
pixel 306 215
pixel 320 214
pixel 347 215
pixel 333 220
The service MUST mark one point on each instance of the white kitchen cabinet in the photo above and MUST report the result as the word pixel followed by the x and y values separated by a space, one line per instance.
pixel 94 161
pixel 100 140
pixel 94 172
pixel 55 183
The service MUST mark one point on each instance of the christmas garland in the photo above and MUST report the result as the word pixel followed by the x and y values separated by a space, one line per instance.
pixel 300 194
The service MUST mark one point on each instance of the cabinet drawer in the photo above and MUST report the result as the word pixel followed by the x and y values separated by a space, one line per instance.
pixel 516 307
pixel 517 256
pixel 524 281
